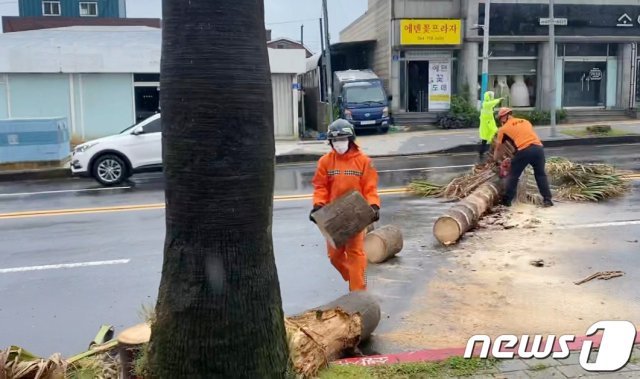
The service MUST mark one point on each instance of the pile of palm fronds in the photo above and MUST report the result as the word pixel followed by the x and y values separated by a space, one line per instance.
pixel 584 182
pixel 17 363
pixel 568 180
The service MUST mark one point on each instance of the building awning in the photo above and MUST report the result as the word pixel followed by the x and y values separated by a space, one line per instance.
pixel 342 46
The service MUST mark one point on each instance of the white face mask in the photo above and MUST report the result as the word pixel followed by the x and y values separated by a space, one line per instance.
pixel 341 147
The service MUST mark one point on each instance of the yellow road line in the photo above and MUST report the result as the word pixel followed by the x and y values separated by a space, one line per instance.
pixel 152 206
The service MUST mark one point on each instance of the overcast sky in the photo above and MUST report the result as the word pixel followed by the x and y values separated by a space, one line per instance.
pixel 284 17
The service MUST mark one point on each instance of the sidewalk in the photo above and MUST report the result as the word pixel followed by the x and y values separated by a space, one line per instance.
pixel 392 144
pixel 442 141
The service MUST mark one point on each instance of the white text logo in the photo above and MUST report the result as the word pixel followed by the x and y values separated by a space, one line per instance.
pixel 614 352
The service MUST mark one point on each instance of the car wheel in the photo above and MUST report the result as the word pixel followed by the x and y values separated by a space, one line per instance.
pixel 383 129
pixel 110 170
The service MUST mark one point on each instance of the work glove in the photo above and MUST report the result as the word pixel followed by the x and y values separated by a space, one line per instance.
pixel 315 208
pixel 376 210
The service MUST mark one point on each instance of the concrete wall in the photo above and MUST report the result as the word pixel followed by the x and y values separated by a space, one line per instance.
pixel 4 97
pixel 374 25
pixel 107 104
pixel 435 9
pixel 94 104
pixel 39 95
pixel 362 29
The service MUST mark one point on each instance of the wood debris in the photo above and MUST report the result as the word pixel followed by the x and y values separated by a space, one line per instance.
pixel 602 275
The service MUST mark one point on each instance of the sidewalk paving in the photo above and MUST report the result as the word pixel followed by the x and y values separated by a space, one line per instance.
pixel 432 141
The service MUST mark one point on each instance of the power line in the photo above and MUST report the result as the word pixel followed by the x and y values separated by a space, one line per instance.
pixel 290 22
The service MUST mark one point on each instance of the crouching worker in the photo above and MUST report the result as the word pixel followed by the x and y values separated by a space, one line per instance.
pixel 529 151
pixel 342 170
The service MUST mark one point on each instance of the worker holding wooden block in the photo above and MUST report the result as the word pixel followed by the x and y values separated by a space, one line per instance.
pixel 346 181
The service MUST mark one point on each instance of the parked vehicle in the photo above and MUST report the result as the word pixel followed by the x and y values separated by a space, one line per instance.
pixel 111 160
pixel 362 100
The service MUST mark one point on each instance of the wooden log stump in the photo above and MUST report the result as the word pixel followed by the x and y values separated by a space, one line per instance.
pixel 343 218
pixel 382 244
pixel 129 343
pixel 322 335
pixel 465 215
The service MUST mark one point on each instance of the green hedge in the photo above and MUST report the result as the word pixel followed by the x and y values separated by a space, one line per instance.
pixel 538 118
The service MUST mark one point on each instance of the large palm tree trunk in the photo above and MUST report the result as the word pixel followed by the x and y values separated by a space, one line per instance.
pixel 219 311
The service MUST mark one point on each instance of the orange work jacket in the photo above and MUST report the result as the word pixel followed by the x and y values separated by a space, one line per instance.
pixel 338 174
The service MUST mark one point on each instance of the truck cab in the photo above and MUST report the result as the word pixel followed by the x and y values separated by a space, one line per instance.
pixel 362 100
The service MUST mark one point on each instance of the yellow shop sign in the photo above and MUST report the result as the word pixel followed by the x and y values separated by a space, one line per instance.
pixel 430 32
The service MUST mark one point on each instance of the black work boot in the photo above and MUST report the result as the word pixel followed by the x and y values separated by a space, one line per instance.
pixel 547 203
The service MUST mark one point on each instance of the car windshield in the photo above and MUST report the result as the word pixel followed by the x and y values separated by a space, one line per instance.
pixel 363 94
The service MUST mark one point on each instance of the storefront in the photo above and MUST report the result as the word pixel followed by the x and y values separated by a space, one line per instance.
pixel 425 57
pixel 513 73
pixel 596 55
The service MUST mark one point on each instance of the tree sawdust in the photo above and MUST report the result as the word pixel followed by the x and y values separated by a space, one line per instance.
pixel 493 289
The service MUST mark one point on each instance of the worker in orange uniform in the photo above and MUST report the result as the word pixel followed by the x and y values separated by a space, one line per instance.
pixel 343 169
pixel 529 151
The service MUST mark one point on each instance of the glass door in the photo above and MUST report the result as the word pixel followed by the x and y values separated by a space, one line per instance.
pixel 417 78
pixel 585 84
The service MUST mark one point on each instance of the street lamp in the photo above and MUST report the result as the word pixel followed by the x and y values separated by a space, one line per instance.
pixel 485 50
pixel 552 46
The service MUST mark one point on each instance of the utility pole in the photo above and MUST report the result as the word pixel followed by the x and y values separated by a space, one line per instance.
pixel 552 54
pixel 302 34
pixel 327 56
pixel 485 50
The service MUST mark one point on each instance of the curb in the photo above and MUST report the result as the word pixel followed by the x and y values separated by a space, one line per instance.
pixel 52 173
pixel 297 158
pixel 437 355
pixel 622 140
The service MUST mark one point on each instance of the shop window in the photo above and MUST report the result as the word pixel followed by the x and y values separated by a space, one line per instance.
pixel 512 49
pixel 587 49
pixel 515 81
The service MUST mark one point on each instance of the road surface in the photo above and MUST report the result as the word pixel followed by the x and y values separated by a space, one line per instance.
pixel 75 255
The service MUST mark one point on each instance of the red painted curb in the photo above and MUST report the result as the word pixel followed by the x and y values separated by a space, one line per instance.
pixel 436 355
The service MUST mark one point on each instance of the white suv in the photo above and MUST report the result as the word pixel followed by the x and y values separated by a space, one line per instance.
pixel 111 160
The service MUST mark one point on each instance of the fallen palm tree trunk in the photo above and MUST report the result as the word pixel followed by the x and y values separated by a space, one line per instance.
pixel 321 335
pixel 465 215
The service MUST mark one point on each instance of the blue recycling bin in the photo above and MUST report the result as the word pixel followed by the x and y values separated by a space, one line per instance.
pixel 34 140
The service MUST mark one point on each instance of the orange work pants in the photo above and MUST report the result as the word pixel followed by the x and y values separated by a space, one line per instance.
pixel 351 261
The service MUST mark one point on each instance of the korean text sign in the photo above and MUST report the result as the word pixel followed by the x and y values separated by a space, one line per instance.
pixel 430 32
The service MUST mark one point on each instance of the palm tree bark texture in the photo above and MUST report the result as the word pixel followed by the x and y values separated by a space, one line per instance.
pixel 219 309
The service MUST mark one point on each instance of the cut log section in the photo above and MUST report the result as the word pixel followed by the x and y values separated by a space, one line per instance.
pixel 130 341
pixel 324 334
pixel 316 337
pixel 382 244
pixel 343 218
pixel 465 215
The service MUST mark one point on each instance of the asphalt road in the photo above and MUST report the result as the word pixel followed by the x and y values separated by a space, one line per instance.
pixel 75 255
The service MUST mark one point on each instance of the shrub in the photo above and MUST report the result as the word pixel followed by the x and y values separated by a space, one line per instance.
pixel 537 117
pixel 462 113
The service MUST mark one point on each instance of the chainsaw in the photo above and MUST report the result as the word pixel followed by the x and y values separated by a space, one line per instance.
pixel 505 167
